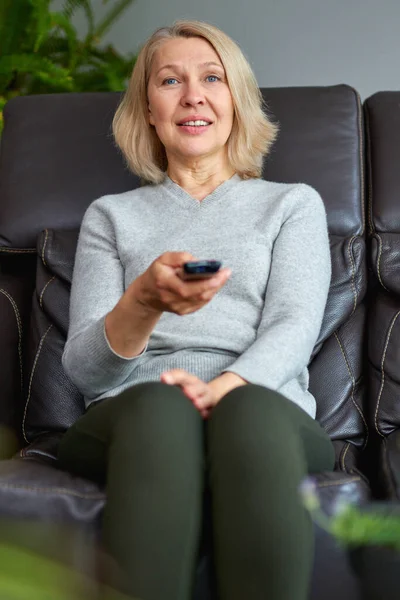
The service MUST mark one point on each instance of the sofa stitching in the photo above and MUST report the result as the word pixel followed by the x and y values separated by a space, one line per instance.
pixel 18 251
pixel 20 330
pixel 44 247
pixel 37 452
pixel 370 212
pixel 343 457
pixel 353 271
pixel 379 261
pixel 30 381
pixel 383 373
pixel 361 157
pixel 338 482
pixel 44 289
pixel 55 490
pixel 353 385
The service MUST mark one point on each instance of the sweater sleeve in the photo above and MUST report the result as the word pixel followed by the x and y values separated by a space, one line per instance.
pixel 295 299
pixel 97 285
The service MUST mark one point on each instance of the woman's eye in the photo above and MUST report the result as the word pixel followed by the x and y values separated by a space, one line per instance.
pixel 213 77
pixel 168 81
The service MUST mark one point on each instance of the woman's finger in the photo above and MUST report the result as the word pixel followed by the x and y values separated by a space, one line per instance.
pixel 178 377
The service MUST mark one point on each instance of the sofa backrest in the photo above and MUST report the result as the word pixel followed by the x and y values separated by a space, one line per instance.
pixel 382 112
pixel 52 158
pixel 70 160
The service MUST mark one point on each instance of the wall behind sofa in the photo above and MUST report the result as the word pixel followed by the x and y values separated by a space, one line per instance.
pixel 289 42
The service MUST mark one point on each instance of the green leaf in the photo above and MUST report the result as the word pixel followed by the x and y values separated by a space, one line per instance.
pixel 40 22
pixel 55 46
pixel 25 575
pixel 35 66
pixel 60 21
pixel 109 19
pixel 70 8
pixel 355 528
pixel 15 19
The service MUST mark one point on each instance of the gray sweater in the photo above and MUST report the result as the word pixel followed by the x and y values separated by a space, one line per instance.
pixel 262 325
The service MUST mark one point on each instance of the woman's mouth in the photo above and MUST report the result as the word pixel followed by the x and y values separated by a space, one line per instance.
pixel 194 127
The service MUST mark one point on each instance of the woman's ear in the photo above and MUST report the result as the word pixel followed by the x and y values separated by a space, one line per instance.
pixel 151 119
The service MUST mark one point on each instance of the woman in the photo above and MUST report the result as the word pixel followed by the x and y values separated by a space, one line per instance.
pixel 199 384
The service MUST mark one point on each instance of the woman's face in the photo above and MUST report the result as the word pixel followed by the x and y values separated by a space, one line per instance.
pixel 187 84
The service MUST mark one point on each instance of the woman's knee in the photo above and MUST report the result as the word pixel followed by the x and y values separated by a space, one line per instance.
pixel 149 401
pixel 257 422
pixel 243 406
pixel 155 414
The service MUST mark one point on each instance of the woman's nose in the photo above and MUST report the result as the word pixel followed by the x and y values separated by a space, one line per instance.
pixel 192 94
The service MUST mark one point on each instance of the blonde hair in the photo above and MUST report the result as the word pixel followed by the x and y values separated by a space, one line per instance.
pixel 252 132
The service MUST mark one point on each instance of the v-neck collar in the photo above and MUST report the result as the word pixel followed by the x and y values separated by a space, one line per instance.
pixel 188 201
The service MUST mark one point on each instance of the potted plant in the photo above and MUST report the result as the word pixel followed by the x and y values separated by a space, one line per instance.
pixel 41 51
pixel 370 533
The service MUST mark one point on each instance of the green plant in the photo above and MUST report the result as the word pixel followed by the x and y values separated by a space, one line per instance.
pixel 25 575
pixel 354 526
pixel 41 52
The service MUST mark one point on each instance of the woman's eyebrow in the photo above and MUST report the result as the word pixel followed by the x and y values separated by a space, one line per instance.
pixel 201 65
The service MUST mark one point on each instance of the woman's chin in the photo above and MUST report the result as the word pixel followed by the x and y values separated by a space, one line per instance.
pixel 198 151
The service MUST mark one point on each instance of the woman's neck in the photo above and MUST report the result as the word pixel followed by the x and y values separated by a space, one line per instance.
pixel 199 184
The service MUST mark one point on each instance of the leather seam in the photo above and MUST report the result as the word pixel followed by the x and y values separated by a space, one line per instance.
pixel 369 158
pixel 43 291
pixel 20 331
pixel 18 251
pixel 343 457
pixel 383 373
pixel 30 381
pixel 361 158
pixel 44 247
pixel 379 261
pixel 358 408
pixel 338 482
pixel 353 271
pixel 55 490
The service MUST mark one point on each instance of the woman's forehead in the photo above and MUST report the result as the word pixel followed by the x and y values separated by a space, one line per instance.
pixel 194 51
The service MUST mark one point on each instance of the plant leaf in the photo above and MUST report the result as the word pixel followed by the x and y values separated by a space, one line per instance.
pixel 40 22
pixel 55 46
pixel 70 8
pixel 35 66
pixel 15 18
pixel 108 20
pixel 60 21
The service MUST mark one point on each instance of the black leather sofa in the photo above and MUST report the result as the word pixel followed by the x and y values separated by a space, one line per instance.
pixel 382 116
pixel 56 156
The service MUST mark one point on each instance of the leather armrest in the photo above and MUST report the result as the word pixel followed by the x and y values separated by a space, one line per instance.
pixel 32 489
pixel 337 486
pixel 44 448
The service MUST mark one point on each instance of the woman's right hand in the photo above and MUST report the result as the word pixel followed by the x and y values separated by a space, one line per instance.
pixel 160 288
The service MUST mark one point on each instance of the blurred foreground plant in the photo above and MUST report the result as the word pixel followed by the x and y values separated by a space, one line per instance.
pixel 351 525
pixel 25 575
pixel 41 52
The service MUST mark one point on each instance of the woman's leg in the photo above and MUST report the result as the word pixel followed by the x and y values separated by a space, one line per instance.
pixel 147 444
pixel 260 446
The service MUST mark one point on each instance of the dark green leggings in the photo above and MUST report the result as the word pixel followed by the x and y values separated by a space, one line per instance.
pixel 157 456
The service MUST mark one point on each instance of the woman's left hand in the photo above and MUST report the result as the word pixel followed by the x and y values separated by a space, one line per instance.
pixel 199 392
